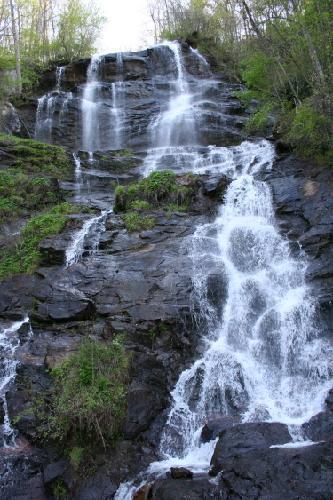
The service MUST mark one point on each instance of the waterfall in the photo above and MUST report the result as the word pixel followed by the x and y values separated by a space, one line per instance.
pixel 51 109
pixel 264 359
pixel 90 107
pixel 176 124
pixel 60 70
pixel 117 111
pixel 91 229
pixel 9 342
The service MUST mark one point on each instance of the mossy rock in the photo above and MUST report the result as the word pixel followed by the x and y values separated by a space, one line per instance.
pixel 161 189
pixel 25 256
pixel 34 157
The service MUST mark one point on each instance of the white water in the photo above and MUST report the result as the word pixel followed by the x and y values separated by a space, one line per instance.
pixel 264 358
pixel 52 108
pixel 91 229
pixel 175 125
pixel 117 115
pixel 90 107
pixel 9 342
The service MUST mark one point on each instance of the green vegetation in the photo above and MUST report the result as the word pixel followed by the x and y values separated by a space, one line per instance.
pixel 136 222
pixel 19 193
pixel 59 489
pixel 29 181
pixel 76 456
pixel 34 157
pixel 25 257
pixel 88 400
pixel 158 190
pixel 281 49
pixel 38 33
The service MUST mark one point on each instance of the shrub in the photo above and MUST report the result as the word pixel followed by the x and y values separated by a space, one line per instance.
pixel 158 190
pixel 88 401
pixel 25 257
pixel 21 194
pixel 76 456
pixel 140 205
pixel 309 132
pixel 260 121
pixel 136 222
pixel 34 157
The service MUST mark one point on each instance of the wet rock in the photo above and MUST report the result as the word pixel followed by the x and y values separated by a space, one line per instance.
pixel 60 309
pixel 184 489
pixel 21 475
pixel 2 411
pixel 242 438
pixel 279 473
pixel 143 493
pixel 54 470
pixel 215 186
pixel 181 473
pixel 320 426
pixel 214 426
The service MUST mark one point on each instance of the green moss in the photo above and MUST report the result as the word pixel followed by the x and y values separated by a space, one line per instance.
pixel 135 222
pixel 309 132
pixel 260 121
pixel 21 194
pixel 35 157
pixel 76 456
pixel 174 207
pixel 159 189
pixel 59 489
pixel 139 205
pixel 25 257
pixel 88 400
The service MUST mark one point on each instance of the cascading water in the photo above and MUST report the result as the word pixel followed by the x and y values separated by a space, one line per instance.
pixel 264 359
pixel 92 229
pixel 90 107
pixel 176 124
pixel 9 342
pixel 51 109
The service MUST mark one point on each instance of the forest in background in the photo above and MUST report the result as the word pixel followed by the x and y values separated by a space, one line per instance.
pixel 281 49
pixel 36 33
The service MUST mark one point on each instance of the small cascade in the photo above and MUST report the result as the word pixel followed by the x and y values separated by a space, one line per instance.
pixel 78 174
pixel 176 125
pixel 10 119
pixel 9 342
pixel 51 109
pixel 91 230
pixel 90 107
pixel 60 70
pixel 117 110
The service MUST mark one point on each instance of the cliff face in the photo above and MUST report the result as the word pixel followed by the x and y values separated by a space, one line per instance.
pixel 168 291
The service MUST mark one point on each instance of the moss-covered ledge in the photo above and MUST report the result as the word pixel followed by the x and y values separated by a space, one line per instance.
pixel 30 172
pixel 25 256
pixel 161 190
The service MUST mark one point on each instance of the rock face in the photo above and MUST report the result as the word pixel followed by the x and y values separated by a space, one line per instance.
pixel 140 284
pixel 140 83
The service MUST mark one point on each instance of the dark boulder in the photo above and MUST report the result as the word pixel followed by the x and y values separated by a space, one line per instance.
pixel 320 426
pixel 214 426
pixel 184 489
pixel 279 474
pixel 243 438
pixel 181 473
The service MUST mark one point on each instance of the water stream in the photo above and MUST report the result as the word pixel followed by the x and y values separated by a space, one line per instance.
pixel 264 359
pixel 9 342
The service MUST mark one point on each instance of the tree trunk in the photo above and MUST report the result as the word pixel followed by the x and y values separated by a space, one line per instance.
pixel 16 48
